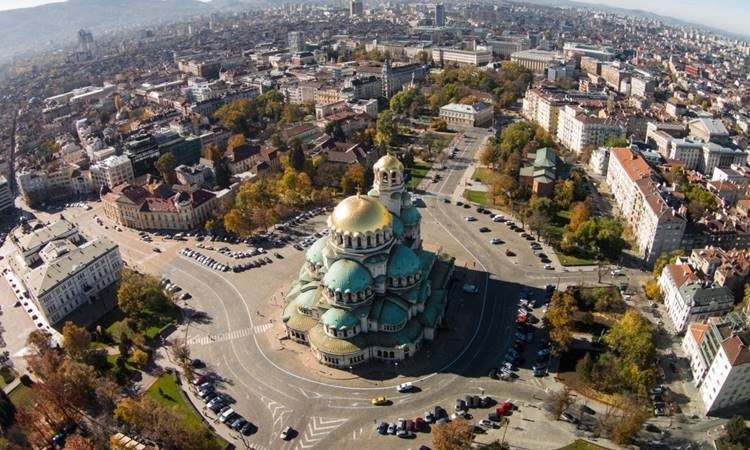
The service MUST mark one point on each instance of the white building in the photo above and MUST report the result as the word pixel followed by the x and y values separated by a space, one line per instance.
pixel 6 197
pixel 720 362
pixel 112 171
pixel 599 160
pixel 690 297
pixel 61 270
pixel 535 60
pixel 459 116
pixel 687 151
pixel 576 130
pixel 658 228
pixel 461 57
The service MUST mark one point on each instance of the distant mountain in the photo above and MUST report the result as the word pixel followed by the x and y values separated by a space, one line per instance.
pixel 633 12
pixel 42 26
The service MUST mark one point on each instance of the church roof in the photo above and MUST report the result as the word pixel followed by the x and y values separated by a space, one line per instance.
pixel 403 262
pixel 347 275
pixel 360 214
pixel 410 216
pixel 339 319
pixel 314 254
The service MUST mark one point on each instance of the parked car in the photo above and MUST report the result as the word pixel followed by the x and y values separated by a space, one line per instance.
pixel 405 387
pixel 379 401
pixel 470 288
pixel 286 433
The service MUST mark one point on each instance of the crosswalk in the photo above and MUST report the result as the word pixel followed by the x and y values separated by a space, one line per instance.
pixel 317 429
pixel 229 335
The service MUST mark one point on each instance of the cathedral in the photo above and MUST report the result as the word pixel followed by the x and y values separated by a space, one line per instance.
pixel 367 290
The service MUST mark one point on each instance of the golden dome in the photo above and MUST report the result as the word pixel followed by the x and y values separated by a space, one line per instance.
pixel 360 214
pixel 389 162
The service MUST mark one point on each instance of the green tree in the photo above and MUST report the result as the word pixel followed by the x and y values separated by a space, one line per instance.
pixel 616 141
pixel 297 156
pixel 664 259
pixel 166 165
pixel 385 130
pixel 564 194
pixel 139 293
pixel 584 366
pixel 632 339
pixel 735 431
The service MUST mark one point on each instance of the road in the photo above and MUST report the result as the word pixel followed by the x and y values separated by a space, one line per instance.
pixel 276 384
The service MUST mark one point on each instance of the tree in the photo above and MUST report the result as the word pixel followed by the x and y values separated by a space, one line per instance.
pixel 385 130
pixel 212 153
pixel 78 442
pixel 584 367
pixel 736 431
pixel 559 401
pixel 631 338
pixel 456 435
pixel 652 290
pixel 221 173
pixel 297 156
pixel 76 341
pixel 353 179
pixel 663 260
pixel 629 424
pixel 7 410
pixel 560 318
pixel 140 358
pixel 236 140
pixel 616 141
pixel 138 293
pixel 166 165
pixel 564 194
pixel 579 214
pixel 181 354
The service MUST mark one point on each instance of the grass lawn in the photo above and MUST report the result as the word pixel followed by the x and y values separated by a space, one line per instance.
pixel 115 323
pixel 418 172
pixel 20 396
pixel 166 392
pixel 580 444
pixel 556 231
pixel 478 197
pixel 571 260
pixel 482 174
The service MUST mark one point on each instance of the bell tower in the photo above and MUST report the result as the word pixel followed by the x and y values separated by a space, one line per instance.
pixel 388 175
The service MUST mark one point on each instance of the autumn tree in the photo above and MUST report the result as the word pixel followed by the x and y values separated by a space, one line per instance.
pixel 78 442
pixel 385 130
pixel 166 165
pixel 560 318
pixel 630 423
pixel 579 213
pixel 353 179
pixel 236 140
pixel 559 401
pixel 455 435
pixel 76 341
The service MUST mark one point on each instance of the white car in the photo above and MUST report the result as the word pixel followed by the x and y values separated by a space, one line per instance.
pixel 548 267
pixel 405 387
pixel 470 219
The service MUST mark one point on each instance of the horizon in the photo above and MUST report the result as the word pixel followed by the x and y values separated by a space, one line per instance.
pixel 695 11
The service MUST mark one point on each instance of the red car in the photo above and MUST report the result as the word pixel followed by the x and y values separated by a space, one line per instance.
pixel 505 408
pixel 411 426
pixel 420 424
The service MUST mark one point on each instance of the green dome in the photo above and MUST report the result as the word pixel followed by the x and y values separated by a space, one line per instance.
pixel 314 254
pixel 347 275
pixel 398 227
pixel 374 192
pixel 339 319
pixel 410 216
pixel 289 309
pixel 403 262
pixel 391 314
pixel 307 299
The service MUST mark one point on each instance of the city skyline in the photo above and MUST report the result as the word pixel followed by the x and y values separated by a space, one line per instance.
pixel 717 16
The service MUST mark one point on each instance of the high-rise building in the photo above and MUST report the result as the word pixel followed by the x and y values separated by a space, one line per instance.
pixel 6 197
pixel 86 50
pixel 296 41
pixel 439 15
pixel 356 8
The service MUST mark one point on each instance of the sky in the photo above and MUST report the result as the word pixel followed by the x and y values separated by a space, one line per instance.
pixel 729 15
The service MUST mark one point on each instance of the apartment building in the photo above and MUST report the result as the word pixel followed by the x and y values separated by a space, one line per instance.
pixel 111 171
pixel 577 130
pixel 658 228
pixel 57 180
pixel 459 116
pixel 720 362
pixel 690 296
pixel 730 268
pixel 61 269
pixel 6 196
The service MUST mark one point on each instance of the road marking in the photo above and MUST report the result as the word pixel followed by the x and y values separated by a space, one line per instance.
pixel 258 329
pixel 317 429
pixel 221 337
